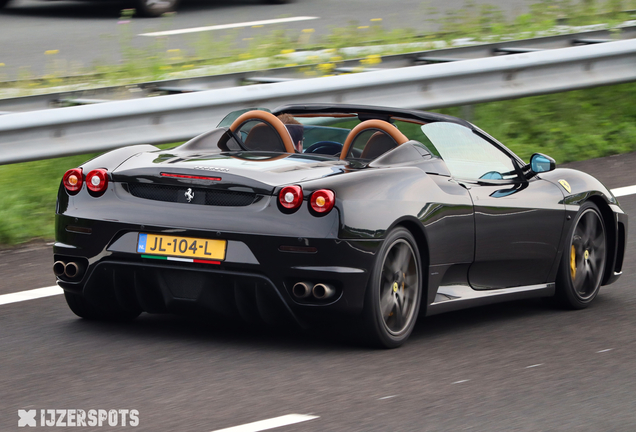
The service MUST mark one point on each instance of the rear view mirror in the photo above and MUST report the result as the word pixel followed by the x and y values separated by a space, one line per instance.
pixel 541 163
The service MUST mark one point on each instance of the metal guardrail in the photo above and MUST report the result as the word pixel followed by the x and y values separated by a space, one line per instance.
pixel 102 126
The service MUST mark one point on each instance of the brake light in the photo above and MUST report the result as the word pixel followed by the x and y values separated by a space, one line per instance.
pixel 322 201
pixel 72 180
pixel 291 197
pixel 97 180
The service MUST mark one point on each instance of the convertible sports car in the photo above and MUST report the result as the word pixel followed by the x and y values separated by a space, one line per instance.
pixel 386 215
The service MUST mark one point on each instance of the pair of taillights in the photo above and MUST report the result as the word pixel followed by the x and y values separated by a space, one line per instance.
pixel 321 201
pixel 96 180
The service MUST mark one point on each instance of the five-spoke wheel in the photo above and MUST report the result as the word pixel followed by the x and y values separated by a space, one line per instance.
pixel 394 291
pixel 583 264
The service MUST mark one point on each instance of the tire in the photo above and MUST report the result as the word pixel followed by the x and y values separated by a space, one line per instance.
pixel 584 256
pixel 3 3
pixel 155 8
pixel 394 291
pixel 83 309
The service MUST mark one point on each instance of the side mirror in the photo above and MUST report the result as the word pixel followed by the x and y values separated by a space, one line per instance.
pixel 541 163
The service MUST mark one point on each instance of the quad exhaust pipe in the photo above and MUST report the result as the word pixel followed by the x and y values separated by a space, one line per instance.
pixel 71 270
pixel 323 291
pixel 319 291
pixel 302 290
pixel 58 268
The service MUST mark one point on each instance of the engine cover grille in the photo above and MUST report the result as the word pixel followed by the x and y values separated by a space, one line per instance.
pixel 180 194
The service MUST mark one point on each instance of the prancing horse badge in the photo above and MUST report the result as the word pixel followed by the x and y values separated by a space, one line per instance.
pixel 565 185
pixel 189 194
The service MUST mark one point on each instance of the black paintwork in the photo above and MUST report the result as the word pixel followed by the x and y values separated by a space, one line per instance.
pixel 473 237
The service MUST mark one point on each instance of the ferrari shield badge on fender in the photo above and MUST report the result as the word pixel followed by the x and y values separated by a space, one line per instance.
pixel 189 194
pixel 565 185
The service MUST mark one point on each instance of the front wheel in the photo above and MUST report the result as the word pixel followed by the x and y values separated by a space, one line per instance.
pixel 584 256
pixel 394 292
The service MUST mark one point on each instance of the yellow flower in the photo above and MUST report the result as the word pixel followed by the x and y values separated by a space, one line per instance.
pixel 371 59
pixel 326 67
pixel 287 51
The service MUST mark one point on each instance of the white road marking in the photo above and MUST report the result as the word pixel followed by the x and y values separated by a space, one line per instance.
pixel 270 423
pixel 534 366
pixel 460 381
pixel 387 397
pixel 622 191
pixel 30 294
pixel 605 350
pixel 230 26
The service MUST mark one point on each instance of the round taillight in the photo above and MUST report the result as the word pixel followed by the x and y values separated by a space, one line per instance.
pixel 97 180
pixel 291 197
pixel 322 201
pixel 72 180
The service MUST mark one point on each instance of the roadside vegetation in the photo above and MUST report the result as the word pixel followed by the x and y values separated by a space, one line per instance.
pixel 568 126
pixel 216 52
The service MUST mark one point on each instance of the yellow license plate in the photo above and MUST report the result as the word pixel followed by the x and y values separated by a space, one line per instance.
pixel 188 247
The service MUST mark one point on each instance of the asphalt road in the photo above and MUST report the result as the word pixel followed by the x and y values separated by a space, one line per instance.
pixel 520 366
pixel 88 33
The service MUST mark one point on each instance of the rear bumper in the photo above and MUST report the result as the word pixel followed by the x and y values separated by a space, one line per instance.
pixel 256 275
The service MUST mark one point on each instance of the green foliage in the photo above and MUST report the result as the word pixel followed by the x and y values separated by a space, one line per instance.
pixel 28 192
pixel 577 125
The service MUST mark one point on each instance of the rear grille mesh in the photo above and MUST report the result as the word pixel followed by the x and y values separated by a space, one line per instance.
pixel 200 196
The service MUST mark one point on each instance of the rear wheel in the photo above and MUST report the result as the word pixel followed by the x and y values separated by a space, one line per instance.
pixel 84 309
pixel 155 8
pixel 584 256
pixel 395 288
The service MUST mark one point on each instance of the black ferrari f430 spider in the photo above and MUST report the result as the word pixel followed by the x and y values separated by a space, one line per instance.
pixel 328 212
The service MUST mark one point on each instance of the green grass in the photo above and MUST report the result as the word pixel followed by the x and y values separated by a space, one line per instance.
pixel 569 126
pixel 28 192
pixel 577 125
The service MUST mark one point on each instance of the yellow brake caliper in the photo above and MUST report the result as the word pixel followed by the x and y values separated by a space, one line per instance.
pixel 573 262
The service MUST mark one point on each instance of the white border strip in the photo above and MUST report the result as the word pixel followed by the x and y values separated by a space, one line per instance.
pixel 270 423
pixel 30 294
pixel 230 26
pixel 622 191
